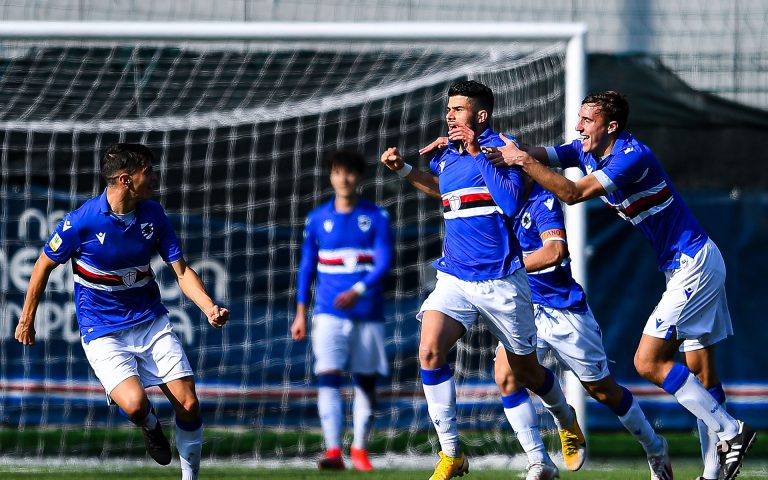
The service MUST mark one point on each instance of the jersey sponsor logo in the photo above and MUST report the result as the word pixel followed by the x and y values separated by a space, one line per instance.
pixel 101 236
pixel 147 229
pixel 67 226
pixel 364 223
pixel 549 203
pixel 55 242
pixel 328 226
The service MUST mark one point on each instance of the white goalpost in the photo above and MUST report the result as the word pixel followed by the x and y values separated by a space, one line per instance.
pixel 240 116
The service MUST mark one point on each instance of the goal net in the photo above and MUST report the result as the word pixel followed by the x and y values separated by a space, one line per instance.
pixel 240 130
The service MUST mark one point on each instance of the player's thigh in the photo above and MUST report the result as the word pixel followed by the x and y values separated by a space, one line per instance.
pixel 447 314
pixel 113 360
pixel 368 354
pixel 331 337
pixel 129 395
pixel 576 340
pixel 505 307
pixel 160 354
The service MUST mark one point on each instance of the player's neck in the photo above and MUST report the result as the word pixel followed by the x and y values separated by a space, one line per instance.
pixel 607 150
pixel 344 204
pixel 119 202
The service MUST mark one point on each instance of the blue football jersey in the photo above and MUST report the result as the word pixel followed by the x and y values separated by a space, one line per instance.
pixel 479 202
pixel 555 286
pixel 115 287
pixel 640 191
pixel 341 249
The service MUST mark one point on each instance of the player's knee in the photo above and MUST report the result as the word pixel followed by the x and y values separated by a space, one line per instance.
pixel 645 365
pixel 506 382
pixel 134 408
pixel 430 356
pixel 188 408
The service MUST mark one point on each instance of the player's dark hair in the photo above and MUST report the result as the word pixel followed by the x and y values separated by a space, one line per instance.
pixel 481 95
pixel 128 157
pixel 347 160
pixel 612 105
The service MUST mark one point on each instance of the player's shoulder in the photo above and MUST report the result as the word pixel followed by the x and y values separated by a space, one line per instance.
pixel 85 212
pixel 323 210
pixel 490 138
pixel 372 208
pixel 629 147
pixel 541 198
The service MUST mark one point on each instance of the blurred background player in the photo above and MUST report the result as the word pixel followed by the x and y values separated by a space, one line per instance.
pixel 480 274
pixel 692 315
pixel 348 247
pixel 566 327
pixel 126 333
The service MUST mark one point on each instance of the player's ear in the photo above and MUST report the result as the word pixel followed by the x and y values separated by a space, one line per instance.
pixel 613 127
pixel 482 116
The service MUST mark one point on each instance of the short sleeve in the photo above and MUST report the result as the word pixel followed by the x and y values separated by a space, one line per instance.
pixel 167 244
pixel 565 156
pixel 64 243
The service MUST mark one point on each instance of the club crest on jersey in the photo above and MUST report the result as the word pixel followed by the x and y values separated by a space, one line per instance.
pixel 526 220
pixel 364 222
pixel 455 203
pixel 328 226
pixel 147 229
pixel 129 279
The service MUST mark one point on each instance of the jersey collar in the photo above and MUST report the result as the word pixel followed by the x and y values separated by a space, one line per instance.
pixel 103 203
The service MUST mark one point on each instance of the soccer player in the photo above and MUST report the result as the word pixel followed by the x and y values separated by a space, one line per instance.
pixel 566 327
pixel 348 249
pixel 692 315
pixel 126 333
pixel 480 274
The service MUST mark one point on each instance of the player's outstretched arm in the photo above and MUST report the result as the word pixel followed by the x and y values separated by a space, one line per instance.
pixel 423 181
pixel 566 190
pixel 193 288
pixel 38 280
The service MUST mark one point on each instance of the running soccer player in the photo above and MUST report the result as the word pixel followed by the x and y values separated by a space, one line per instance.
pixel 348 248
pixel 566 327
pixel 692 315
pixel 126 333
pixel 480 274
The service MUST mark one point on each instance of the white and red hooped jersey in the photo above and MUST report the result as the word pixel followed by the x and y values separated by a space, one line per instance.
pixel 640 191
pixel 479 202
pixel 341 249
pixel 115 287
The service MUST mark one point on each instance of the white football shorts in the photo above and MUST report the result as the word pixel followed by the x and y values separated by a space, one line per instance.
pixel 504 304
pixel 694 306
pixel 150 351
pixel 574 339
pixel 338 343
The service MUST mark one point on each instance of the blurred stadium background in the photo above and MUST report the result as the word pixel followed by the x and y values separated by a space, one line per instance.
pixel 240 129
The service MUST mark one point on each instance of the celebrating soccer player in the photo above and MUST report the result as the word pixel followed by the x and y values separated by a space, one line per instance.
pixel 348 248
pixel 566 327
pixel 480 274
pixel 126 333
pixel 692 315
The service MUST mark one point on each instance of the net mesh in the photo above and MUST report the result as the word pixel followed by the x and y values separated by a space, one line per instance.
pixel 240 131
